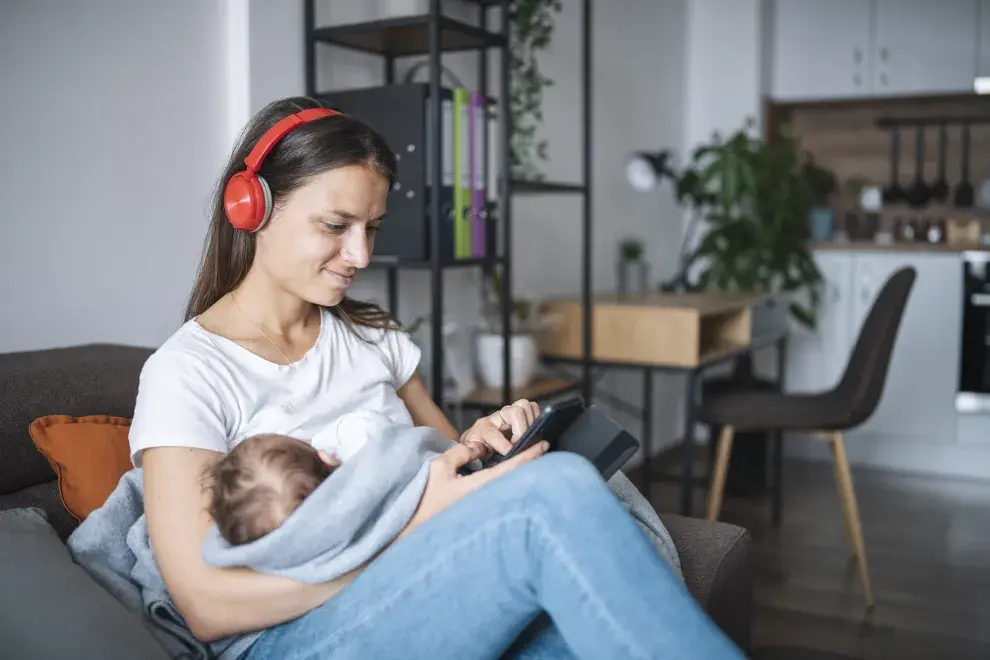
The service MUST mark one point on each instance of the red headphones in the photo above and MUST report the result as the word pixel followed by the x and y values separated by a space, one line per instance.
pixel 247 199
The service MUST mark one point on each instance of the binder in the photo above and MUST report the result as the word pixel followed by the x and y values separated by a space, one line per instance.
pixel 447 144
pixel 476 148
pixel 462 176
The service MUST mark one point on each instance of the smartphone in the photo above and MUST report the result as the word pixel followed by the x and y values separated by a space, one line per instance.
pixel 554 419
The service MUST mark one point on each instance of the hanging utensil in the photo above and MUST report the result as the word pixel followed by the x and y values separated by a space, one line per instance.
pixel 940 188
pixel 919 193
pixel 894 193
pixel 964 191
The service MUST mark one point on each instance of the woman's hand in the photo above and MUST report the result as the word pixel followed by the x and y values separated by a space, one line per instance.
pixel 489 430
pixel 445 485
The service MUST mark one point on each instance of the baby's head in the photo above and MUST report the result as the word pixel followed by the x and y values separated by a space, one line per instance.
pixel 260 482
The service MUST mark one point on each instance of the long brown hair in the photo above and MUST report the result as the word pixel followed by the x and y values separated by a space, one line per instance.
pixel 308 150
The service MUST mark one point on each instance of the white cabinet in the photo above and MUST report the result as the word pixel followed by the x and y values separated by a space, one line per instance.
pixel 983 64
pixel 918 397
pixel 821 49
pixel 925 47
pixel 816 358
pixel 876 48
pixel 919 394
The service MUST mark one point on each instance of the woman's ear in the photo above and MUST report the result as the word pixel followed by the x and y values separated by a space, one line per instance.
pixel 331 461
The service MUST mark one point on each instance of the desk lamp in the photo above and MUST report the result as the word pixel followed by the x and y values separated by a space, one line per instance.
pixel 645 171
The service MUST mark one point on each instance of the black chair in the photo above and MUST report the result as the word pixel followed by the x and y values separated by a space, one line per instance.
pixel 825 414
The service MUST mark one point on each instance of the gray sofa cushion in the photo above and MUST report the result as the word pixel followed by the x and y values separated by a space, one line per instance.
pixel 95 379
pixel 49 606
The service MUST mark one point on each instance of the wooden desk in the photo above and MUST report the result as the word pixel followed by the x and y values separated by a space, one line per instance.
pixel 664 332
pixel 659 329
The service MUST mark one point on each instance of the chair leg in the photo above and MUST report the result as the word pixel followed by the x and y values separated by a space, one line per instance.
pixel 723 452
pixel 850 510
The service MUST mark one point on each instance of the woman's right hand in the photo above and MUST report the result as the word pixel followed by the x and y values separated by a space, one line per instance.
pixel 445 485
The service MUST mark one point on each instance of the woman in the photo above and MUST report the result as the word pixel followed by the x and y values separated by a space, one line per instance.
pixel 272 344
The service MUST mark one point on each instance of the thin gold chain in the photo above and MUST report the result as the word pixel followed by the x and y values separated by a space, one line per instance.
pixel 274 343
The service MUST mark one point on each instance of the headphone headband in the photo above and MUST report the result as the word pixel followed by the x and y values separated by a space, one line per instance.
pixel 247 200
pixel 282 128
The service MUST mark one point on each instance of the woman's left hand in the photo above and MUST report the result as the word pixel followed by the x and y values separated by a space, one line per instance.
pixel 488 430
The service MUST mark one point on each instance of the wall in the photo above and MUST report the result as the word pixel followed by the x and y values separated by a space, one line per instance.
pixel 113 131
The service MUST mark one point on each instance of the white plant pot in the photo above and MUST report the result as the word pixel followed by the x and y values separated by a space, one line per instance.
pixel 524 359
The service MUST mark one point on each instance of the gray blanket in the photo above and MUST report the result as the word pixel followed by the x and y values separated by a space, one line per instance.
pixel 347 520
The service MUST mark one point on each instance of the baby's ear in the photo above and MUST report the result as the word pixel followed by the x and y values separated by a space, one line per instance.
pixel 331 461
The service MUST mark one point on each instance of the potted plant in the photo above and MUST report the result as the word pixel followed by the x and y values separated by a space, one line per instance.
pixel 525 324
pixel 755 197
pixel 531 25
pixel 633 269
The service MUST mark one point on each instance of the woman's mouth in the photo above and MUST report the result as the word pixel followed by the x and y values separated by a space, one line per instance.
pixel 340 280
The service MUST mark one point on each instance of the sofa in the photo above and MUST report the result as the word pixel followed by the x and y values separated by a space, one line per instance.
pixel 50 608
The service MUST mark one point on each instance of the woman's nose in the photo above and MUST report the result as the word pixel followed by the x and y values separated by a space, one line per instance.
pixel 357 252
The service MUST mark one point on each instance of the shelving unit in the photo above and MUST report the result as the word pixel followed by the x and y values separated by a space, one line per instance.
pixel 433 34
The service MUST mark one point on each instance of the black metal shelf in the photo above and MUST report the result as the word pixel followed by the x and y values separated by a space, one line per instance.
pixel 432 35
pixel 407 35
pixel 521 187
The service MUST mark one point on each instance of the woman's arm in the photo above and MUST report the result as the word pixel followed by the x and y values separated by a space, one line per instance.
pixel 488 430
pixel 423 409
pixel 215 602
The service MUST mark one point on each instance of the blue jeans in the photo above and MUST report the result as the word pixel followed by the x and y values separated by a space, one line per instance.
pixel 547 539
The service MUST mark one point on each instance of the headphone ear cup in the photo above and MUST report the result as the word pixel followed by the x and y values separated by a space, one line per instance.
pixel 245 201
pixel 267 194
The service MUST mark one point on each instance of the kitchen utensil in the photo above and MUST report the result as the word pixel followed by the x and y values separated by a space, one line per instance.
pixel 919 193
pixel 964 191
pixel 982 200
pixel 935 230
pixel 940 188
pixel 905 230
pixel 894 193
pixel 870 199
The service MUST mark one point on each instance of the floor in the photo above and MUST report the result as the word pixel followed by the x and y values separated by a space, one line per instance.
pixel 928 542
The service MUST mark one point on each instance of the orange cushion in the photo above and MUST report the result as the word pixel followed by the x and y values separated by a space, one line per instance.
pixel 89 455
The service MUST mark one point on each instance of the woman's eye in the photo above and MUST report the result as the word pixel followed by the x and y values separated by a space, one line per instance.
pixel 335 228
pixel 373 229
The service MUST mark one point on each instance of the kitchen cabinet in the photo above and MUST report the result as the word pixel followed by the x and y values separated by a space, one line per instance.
pixel 924 47
pixel 821 49
pixel 875 48
pixel 983 64
pixel 816 358
pixel 919 394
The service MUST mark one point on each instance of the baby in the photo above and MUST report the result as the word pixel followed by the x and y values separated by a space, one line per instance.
pixel 264 478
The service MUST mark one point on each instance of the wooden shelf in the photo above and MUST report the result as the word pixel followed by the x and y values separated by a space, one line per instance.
pixel 487 397
pixel 407 35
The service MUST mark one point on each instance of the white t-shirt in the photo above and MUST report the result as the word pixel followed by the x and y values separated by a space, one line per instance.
pixel 345 437
pixel 204 391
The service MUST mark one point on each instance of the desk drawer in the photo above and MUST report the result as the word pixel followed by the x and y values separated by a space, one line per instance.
pixel 661 330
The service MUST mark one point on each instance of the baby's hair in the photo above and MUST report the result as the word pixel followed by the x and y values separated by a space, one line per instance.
pixel 262 480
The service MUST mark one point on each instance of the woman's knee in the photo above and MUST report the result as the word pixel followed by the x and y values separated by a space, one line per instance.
pixel 562 476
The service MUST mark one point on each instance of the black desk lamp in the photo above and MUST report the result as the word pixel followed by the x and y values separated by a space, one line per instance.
pixel 645 171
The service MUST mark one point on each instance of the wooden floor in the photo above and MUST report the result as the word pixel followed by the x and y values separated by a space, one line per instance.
pixel 928 542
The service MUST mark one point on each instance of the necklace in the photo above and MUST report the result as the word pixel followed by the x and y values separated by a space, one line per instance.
pixel 274 343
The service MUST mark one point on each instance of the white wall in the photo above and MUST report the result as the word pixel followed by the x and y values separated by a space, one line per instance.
pixel 112 125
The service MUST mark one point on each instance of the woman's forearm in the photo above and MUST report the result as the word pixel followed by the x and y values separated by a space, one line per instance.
pixel 215 602
pixel 235 601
